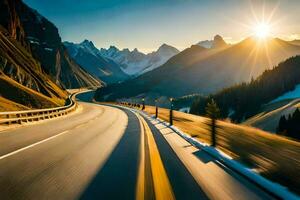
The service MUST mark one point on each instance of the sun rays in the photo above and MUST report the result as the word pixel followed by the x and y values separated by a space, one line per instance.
pixel 262 30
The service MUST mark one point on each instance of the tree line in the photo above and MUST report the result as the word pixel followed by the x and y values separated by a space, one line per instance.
pixel 290 126
pixel 244 100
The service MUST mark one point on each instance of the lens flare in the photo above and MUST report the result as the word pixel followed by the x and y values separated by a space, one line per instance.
pixel 262 30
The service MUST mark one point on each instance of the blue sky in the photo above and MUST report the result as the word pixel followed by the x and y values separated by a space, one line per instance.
pixel 146 24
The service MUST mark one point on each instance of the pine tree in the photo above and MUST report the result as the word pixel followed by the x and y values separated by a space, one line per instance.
pixel 282 126
pixel 213 111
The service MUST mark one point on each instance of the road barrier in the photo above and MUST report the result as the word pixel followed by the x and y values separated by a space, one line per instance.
pixel 19 117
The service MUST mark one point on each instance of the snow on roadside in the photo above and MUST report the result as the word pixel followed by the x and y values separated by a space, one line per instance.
pixel 274 188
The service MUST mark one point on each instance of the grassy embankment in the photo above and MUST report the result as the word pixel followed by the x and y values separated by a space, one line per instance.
pixel 275 157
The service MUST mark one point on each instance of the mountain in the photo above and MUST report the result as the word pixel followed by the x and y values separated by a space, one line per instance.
pixel 136 63
pixel 206 44
pixel 41 38
pixel 245 100
pixel 23 84
pixel 205 71
pixel 89 57
pixel 269 117
pixel 295 42
pixel 217 42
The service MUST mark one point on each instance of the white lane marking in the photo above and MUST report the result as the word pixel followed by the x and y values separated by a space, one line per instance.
pixel 32 145
pixel 47 139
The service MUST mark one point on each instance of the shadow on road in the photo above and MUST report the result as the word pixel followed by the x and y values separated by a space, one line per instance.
pixel 203 156
pixel 117 178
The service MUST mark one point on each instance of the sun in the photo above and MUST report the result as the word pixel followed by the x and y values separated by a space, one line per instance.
pixel 262 30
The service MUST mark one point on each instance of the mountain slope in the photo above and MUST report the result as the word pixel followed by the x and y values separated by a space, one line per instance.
pixel 40 37
pixel 295 42
pixel 22 81
pixel 201 70
pixel 268 119
pixel 88 56
pixel 246 100
pixel 136 63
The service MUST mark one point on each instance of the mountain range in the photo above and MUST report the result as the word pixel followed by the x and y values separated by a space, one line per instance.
pixel 201 70
pixel 217 42
pixel 34 65
pixel 135 63
pixel 89 57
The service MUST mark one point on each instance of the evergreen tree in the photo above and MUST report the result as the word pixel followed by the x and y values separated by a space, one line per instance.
pixel 282 126
pixel 246 99
pixel 291 126
pixel 213 111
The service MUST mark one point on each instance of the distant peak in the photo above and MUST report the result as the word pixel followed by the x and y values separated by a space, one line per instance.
pixel 113 48
pixel 166 47
pixel 218 42
pixel 88 43
pixel 218 37
pixel 126 50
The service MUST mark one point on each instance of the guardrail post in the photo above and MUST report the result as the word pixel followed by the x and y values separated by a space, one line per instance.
pixel 171 112
pixel 156 109
pixel 143 108
pixel 213 132
pixel 26 116
pixel 19 120
pixel 7 116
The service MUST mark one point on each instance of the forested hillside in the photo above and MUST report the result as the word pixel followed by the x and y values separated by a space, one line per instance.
pixel 244 100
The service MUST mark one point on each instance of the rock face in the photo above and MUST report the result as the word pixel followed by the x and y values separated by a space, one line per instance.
pixel 22 80
pixel 135 63
pixel 40 37
pixel 34 66
pixel 89 57
pixel 201 70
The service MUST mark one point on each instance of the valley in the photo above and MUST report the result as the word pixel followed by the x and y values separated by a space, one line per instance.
pixel 149 100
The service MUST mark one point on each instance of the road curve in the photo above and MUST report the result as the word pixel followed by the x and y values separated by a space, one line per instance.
pixel 103 152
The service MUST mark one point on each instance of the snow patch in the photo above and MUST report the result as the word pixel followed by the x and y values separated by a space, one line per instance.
pixel 289 95
pixel 185 109
pixel 48 49
pixel 34 42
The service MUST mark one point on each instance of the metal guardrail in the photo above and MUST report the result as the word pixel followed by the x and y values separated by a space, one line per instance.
pixel 19 117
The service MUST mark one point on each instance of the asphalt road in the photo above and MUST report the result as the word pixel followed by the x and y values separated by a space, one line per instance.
pixel 103 152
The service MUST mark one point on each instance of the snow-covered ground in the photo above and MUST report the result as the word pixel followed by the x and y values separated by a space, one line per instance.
pixel 289 95
pixel 185 109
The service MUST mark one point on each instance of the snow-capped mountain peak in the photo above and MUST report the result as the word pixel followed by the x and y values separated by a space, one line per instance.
pixel 165 49
pixel 135 62
pixel 217 42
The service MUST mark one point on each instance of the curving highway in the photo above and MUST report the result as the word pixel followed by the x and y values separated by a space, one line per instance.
pixel 106 152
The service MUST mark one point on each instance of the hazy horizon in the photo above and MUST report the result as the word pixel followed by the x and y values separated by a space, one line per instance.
pixel 146 25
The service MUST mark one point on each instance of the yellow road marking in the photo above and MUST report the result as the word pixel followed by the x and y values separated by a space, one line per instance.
pixel 162 186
